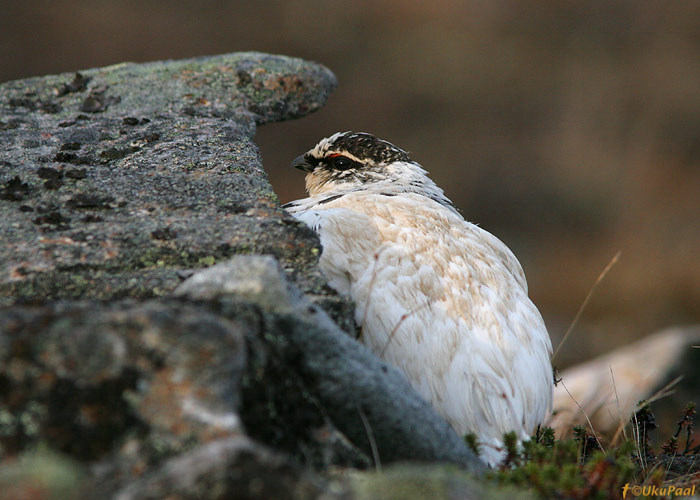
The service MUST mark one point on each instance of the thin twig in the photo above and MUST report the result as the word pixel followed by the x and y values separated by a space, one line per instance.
pixel 585 302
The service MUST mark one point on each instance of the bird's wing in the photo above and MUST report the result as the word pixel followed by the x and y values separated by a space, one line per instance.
pixel 447 302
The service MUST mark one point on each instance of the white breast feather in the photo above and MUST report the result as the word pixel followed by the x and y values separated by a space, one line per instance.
pixel 444 301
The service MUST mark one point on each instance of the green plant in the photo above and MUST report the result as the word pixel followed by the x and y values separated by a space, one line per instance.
pixel 581 468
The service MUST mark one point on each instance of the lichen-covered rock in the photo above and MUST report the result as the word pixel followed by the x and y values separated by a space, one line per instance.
pixel 85 378
pixel 136 386
pixel 261 86
pixel 115 181
pixel 234 467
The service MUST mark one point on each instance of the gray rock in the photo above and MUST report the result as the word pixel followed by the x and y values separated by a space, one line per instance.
pixel 260 86
pixel 253 277
pixel 116 180
pixel 233 467
pixel 86 378
pixel 136 388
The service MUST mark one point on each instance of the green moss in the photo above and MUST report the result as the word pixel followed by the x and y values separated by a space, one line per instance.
pixel 207 261
pixel 472 442
pixel 560 469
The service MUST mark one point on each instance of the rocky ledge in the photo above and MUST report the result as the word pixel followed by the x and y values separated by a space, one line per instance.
pixel 127 369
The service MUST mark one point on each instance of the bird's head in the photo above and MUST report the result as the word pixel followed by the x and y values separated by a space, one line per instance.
pixel 354 160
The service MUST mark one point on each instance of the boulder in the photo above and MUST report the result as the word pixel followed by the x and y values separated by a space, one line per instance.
pixel 116 181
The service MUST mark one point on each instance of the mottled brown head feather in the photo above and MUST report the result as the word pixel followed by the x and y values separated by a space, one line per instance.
pixel 366 146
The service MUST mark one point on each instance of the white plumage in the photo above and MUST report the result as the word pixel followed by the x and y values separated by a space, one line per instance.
pixel 436 296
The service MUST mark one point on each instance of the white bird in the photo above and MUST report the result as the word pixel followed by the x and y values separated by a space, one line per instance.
pixel 436 296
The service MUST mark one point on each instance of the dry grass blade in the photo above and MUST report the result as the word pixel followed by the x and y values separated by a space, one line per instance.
pixel 370 436
pixel 684 480
pixel 621 427
pixel 665 390
pixel 602 275
pixel 635 435
pixel 661 393
pixel 595 434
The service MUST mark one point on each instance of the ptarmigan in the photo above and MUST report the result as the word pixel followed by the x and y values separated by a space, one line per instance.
pixel 438 297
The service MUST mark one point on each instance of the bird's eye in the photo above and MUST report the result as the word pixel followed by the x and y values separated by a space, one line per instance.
pixel 341 162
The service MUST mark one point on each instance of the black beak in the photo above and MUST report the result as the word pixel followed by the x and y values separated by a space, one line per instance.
pixel 302 164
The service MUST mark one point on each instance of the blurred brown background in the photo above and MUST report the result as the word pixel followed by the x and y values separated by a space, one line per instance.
pixel 571 130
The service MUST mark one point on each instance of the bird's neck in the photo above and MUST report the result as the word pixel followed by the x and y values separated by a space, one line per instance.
pixel 392 182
